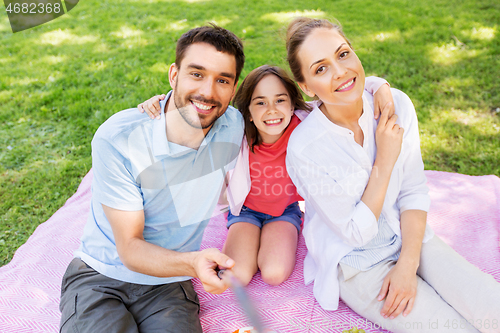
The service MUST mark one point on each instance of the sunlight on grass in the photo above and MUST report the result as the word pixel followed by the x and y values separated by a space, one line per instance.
pixel 6 94
pixel 53 60
pixel 5 60
pixel 221 22
pixel 482 123
pixel 96 66
pixel 285 17
pixel 482 33
pixel 5 26
pixel 133 37
pixel 449 54
pixel 22 82
pixel 451 83
pixel 159 67
pixel 102 48
pixel 387 35
pixel 59 37
pixel 178 25
pixel 461 140
pixel 127 32
pixel 155 1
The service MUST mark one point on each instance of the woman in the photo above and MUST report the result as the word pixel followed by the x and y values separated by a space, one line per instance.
pixel 367 201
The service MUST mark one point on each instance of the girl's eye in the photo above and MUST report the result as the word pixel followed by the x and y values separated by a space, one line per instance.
pixel 280 101
pixel 320 69
pixel 260 103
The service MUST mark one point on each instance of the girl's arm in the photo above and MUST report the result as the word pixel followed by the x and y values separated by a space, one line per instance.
pixel 382 96
pixel 152 106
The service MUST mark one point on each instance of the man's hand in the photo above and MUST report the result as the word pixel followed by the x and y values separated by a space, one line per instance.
pixel 383 99
pixel 152 106
pixel 205 263
pixel 399 290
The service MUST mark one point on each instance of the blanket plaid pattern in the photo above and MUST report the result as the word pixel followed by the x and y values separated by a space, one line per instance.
pixel 465 213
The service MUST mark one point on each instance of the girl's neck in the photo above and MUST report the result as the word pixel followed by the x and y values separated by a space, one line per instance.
pixel 343 115
pixel 270 139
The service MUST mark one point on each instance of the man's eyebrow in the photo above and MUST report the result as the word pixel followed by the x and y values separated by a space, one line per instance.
pixel 201 68
pixel 277 95
pixel 320 60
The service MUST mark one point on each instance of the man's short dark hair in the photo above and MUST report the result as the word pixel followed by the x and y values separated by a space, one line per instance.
pixel 223 40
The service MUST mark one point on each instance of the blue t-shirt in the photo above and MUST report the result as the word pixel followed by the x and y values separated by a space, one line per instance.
pixel 135 167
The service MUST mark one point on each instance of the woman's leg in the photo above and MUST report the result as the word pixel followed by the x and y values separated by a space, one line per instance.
pixel 473 293
pixel 242 245
pixel 278 244
pixel 430 314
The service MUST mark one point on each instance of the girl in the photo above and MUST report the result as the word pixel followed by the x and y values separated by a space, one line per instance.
pixel 265 218
pixel 367 201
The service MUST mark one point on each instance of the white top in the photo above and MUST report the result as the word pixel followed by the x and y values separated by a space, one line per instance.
pixel 331 171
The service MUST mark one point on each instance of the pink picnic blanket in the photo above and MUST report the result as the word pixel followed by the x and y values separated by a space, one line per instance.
pixel 465 213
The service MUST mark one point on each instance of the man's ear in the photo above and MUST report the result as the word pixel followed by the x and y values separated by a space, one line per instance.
pixel 173 71
pixel 306 89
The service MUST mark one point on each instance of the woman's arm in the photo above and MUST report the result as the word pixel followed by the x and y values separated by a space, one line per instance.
pixel 388 138
pixel 316 176
pixel 399 288
pixel 400 285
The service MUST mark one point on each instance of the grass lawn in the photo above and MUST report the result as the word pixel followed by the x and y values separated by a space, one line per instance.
pixel 61 80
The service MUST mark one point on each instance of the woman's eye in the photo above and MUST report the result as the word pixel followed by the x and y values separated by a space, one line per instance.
pixel 344 54
pixel 320 69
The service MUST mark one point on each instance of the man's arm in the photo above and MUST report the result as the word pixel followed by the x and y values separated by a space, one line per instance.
pixel 146 258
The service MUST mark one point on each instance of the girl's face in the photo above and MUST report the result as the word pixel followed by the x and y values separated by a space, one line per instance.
pixel 270 108
pixel 331 69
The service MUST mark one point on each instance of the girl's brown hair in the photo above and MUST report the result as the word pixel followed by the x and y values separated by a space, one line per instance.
pixel 243 97
pixel 296 34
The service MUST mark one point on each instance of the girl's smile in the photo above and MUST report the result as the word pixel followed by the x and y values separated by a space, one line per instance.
pixel 270 108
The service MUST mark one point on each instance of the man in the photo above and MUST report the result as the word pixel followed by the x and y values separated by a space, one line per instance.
pixel 155 186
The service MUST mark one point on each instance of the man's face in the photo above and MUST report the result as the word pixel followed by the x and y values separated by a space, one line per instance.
pixel 204 84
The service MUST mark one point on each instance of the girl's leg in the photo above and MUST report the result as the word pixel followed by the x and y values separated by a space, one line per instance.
pixel 278 244
pixel 473 293
pixel 430 314
pixel 242 245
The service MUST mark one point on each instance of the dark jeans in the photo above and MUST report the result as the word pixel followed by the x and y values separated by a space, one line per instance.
pixel 92 302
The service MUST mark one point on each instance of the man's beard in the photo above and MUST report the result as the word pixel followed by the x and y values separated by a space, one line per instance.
pixel 187 111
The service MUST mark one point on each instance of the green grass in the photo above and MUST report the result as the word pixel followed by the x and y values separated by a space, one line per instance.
pixel 60 81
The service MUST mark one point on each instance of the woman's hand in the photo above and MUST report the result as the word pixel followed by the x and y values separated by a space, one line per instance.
pixel 399 290
pixel 381 99
pixel 388 137
pixel 152 106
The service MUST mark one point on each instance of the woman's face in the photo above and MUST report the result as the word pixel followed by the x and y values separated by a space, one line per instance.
pixel 331 69
pixel 270 108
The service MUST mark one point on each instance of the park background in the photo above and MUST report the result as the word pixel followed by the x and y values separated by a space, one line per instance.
pixel 61 80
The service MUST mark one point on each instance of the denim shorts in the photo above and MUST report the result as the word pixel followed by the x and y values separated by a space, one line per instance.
pixel 292 214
